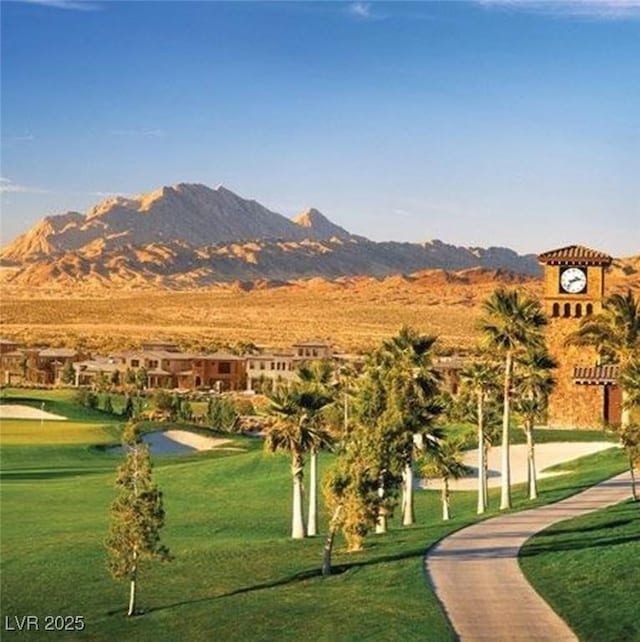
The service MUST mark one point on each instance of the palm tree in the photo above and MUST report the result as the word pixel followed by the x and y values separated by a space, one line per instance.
pixel 512 322
pixel 481 377
pixel 316 394
pixel 615 334
pixel 291 431
pixel 534 385
pixel 445 461
pixel 630 434
pixel 414 388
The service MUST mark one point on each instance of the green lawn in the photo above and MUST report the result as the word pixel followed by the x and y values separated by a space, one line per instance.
pixel 236 574
pixel 23 431
pixel 59 402
pixel 587 569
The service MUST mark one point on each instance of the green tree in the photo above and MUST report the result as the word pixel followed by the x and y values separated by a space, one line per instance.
pixel 412 399
pixel 114 378
pixel 352 490
pixel 317 393
pixel 512 323
pixel 445 461
pixel 68 373
pixel 100 382
pixel 141 378
pixel 163 402
pixel 615 334
pixel 107 405
pixel 130 377
pixel 128 410
pixel 290 430
pixel 137 516
pixel 481 379
pixel 534 383
pixel 630 433
pixel 221 413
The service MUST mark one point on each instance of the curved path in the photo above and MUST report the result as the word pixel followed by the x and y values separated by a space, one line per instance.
pixel 477 578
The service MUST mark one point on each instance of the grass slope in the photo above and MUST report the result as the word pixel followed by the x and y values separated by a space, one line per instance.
pixel 587 569
pixel 236 574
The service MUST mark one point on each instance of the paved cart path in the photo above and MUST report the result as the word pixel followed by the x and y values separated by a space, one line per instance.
pixel 477 578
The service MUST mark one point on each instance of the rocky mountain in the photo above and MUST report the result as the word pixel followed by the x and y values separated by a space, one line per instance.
pixel 319 225
pixel 190 236
pixel 190 213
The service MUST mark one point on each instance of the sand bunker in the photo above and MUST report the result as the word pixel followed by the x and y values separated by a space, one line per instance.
pixel 547 455
pixel 194 440
pixel 15 411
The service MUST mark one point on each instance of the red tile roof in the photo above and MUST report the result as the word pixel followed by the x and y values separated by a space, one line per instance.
pixel 596 374
pixel 575 254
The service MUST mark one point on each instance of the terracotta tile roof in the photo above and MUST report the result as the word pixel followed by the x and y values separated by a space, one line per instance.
pixel 596 374
pixel 575 253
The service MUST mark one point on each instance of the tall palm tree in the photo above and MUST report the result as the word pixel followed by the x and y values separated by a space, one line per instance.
pixel 481 377
pixel 414 388
pixel 511 323
pixel 615 334
pixel 630 434
pixel 445 461
pixel 316 393
pixel 534 385
pixel 291 431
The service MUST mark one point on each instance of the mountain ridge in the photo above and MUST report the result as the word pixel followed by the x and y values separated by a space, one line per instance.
pixel 192 235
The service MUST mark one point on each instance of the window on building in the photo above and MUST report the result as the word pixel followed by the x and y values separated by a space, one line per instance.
pixel 589 309
pixel 135 363
pixel 153 363
pixel 262 365
pixel 556 310
pixel 578 310
pixel 224 367
pixel 567 310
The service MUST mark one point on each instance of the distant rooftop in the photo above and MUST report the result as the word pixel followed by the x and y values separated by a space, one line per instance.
pixel 575 253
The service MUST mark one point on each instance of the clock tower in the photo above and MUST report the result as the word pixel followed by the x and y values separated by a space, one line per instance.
pixel 574 281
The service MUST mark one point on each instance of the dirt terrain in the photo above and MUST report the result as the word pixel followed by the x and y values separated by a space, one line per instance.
pixel 354 313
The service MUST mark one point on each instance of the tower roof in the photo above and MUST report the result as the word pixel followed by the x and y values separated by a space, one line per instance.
pixel 575 254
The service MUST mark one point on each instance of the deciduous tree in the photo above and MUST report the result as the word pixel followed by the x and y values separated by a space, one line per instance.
pixel 137 516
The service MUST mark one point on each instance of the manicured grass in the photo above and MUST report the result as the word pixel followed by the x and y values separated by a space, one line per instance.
pixel 23 431
pixel 587 569
pixel 236 575
pixel 59 402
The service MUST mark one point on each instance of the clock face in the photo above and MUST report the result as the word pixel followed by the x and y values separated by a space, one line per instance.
pixel 573 280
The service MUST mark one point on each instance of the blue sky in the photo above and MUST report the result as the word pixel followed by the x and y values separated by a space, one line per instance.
pixel 487 122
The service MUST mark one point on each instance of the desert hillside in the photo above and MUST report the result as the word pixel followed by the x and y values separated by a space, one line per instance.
pixel 353 312
pixel 191 236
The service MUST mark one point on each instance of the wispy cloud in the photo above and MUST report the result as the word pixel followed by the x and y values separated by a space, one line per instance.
pixel 147 132
pixel 7 186
pixel 593 9
pixel 24 138
pixel 68 5
pixel 364 11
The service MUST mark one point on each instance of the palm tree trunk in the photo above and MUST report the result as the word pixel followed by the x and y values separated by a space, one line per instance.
pixel 634 490
pixel 446 514
pixel 482 485
pixel 381 523
pixel 408 511
pixel 625 415
pixel 328 543
pixel 132 587
pixel 297 518
pixel 485 448
pixel 312 525
pixel 531 463
pixel 505 485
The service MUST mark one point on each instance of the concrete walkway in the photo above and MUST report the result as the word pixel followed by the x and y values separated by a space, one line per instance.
pixel 477 578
